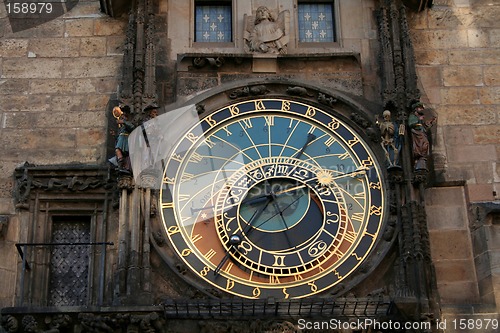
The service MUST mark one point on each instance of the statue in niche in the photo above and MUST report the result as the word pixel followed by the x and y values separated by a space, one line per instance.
pixel 419 132
pixel 266 34
pixel 125 127
pixel 390 138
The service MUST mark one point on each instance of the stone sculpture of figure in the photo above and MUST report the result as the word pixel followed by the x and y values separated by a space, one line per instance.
pixel 121 146
pixel 419 128
pixel 390 138
pixel 265 34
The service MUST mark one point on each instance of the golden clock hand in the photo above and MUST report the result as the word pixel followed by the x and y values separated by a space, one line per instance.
pixel 289 189
pixel 360 171
pixel 280 212
pixel 238 239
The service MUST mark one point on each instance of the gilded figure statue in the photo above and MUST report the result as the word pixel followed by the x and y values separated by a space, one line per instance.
pixel 266 34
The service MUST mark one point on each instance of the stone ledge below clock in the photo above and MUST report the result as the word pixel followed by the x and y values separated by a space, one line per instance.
pixel 262 63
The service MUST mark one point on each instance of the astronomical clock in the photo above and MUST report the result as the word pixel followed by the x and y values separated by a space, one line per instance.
pixel 272 197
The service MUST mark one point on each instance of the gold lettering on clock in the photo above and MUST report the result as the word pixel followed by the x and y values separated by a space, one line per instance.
pixel 269 120
pixel 173 230
pixel 191 137
pixel 210 254
pixel 233 109
pixel 314 287
pixel 210 121
pixel 279 261
pixel 247 123
pixel 310 112
pixel 229 284
pixel 285 106
pixel 334 124
pixel 259 105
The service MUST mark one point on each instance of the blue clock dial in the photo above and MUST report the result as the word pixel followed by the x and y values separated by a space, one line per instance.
pixel 272 198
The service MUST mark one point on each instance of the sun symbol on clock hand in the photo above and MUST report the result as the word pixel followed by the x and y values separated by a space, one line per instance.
pixel 325 177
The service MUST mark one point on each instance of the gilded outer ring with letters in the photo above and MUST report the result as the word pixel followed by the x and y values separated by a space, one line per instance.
pixel 272 198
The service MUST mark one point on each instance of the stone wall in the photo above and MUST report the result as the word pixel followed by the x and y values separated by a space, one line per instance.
pixel 457 50
pixel 55 82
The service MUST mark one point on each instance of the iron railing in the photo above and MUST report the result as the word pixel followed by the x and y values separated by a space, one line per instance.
pixel 22 250
pixel 327 307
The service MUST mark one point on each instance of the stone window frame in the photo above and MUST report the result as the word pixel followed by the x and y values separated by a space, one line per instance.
pixel 44 192
pixel 336 22
pixel 198 44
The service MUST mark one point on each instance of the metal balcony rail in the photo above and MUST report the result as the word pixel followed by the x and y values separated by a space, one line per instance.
pixel 328 307
pixel 22 250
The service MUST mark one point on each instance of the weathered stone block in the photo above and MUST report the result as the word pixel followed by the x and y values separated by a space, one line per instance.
pixel 85 86
pixel 446 217
pixel 445 196
pixel 93 47
pixel 492 75
pixel 24 102
pixel 487 134
pixel 489 95
pixel 473 153
pixel 439 39
pixel 97 102
pixel 53 86
pixel 69 103
pixel 454 271
pixel 79 27
pixel 109 27
pixel 474 57
pixel 494 35
pixel 458 135
pixel 478 38
pixel 443 249
pixel 480 192
pixel 90 137
pixel 32 68
pixel 466 115
pixel 13 48
pixel 458 293
pixel 463 76
pixel 460 96
pixel 431 57
pixel 91 67
pixel 115 45
pixel 11 86
pixel 54 47
pixel 482 264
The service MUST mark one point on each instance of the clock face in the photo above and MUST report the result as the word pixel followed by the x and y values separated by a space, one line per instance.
pixel 272 198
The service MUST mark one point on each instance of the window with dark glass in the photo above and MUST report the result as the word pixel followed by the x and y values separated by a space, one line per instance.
pixel 316 21
pixel 69 263
pixel 213 22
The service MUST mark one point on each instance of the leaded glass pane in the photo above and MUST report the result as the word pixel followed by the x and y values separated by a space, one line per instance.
pixel 316 22
pixel 69 264
pixel 213 23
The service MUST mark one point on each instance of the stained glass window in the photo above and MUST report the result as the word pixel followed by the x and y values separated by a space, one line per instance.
pixel 213 22
pixel 316 23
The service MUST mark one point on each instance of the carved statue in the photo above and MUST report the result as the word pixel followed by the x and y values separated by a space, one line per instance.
pixel 121 146
pixel 419 128
pixel 390 139
pixel 265 34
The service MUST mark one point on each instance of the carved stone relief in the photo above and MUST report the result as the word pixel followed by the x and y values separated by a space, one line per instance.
pixel 265 33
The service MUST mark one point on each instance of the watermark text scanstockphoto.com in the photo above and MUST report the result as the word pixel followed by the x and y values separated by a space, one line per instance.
pixel 486 324
pixel 361 324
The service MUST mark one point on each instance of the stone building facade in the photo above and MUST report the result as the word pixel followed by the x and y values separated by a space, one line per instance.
pixel 437 257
